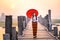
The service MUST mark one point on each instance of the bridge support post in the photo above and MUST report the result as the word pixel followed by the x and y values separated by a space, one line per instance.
pixel 14 35
pixel 49 20
pixel 55 31
pixel 8 25
pixel 21 24
pixel 6 36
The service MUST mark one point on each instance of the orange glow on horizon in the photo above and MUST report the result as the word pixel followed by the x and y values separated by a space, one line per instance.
pixel 18 7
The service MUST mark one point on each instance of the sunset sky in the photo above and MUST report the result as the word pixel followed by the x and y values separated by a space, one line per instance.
pixel 20 7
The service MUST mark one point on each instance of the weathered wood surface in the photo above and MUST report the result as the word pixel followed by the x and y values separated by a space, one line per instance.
pixel 42 33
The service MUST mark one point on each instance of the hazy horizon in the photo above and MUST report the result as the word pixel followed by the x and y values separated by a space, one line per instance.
pixel 20 7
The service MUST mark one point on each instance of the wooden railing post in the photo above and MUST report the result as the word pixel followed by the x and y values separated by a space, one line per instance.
pixel 8 25
pixel 21 24
pixel 14 36
pixel 55 31
pixel 6 36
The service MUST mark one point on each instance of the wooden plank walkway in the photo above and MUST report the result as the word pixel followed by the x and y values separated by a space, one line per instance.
pixel 42 33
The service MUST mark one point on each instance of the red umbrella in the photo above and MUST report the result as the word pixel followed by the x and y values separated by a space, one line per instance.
pixel 30 12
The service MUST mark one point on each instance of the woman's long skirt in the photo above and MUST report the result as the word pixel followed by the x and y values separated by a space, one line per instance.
pixel 34 27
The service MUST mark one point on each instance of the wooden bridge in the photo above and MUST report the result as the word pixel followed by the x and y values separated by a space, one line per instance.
pixel 42 33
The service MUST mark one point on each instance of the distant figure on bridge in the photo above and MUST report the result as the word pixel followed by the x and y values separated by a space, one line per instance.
pixel 34 25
